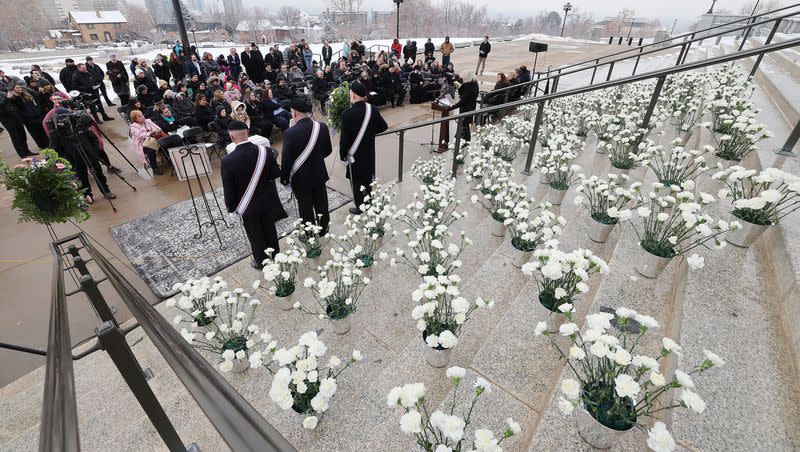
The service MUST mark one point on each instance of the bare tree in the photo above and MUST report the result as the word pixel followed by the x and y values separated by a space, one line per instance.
pixel 22 25
pixel 762 7
pixel 140 22
pixel 579 24
pixel 290 16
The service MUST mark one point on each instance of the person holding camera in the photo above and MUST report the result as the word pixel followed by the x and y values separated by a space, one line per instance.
pixel 99 76
pixel 18 112
pixel 83 82
pixel 72 139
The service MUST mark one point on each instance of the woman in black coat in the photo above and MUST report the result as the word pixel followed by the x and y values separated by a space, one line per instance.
pixel 221 121
pixel 258 121
pixel 203 113
pixel 468 99
pixel 161 68
pixel 176 67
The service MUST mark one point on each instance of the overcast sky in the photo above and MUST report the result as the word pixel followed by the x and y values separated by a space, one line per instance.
pixel 682 9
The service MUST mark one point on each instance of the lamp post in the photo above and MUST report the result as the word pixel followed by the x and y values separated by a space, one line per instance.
pixel 194 37
pixel 397 33
pixel 567 8
pixel 711 10
pixel 176 7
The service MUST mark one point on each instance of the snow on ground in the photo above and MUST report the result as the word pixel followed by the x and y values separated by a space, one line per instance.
pixel 543 37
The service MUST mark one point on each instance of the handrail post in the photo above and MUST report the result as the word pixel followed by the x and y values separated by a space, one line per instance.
pixel 746 34
pixel 594 71
pixel 680 54
pixel 402 139
pixel 459 128
pixel 534 136
pixel 610 70
pixel 638 57
pixel 791 142
pixel 89 287
pixel 653 101
pixel 766 43
pixel 688 46
pixel 113 341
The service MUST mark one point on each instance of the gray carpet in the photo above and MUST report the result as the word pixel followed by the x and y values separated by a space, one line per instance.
pixel 162 247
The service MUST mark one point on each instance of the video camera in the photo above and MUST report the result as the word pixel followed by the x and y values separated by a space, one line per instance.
pixel 79 101
pixel 68 122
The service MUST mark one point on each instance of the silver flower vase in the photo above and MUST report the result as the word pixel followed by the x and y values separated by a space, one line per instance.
pixel 649 265
pixel 599 232
pixel 556 196
pixel 437 358
pixel 747 235
pixel 499 229
pixel 342 326
pixel 286 303
pixel 596 434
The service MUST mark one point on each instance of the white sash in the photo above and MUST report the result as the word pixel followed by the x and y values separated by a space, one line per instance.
pixel 360 136
pixel 301 159
pixel 251 186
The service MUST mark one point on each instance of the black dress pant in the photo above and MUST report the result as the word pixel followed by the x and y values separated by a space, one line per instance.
pixel 35 128
pixel 16 131
pixel 262 235
pixel 84 177
pixel 313 206
pixel 104 93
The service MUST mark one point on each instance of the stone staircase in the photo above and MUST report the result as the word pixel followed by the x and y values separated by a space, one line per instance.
pixel 743 305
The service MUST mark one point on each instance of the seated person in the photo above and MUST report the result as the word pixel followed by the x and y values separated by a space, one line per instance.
pixel 319 89
pixel 259 124
pixel 221 120
pixel 219 101
pixel 274 110
pixel 203 114
pixel 283 91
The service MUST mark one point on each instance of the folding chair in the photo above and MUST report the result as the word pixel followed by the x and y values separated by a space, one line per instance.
pixel 123 113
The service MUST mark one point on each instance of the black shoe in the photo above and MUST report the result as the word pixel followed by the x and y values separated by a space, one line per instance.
pixel 256 265
pixel 28 154
pixel 113 169
pixel 109 195
pixel 112 104
pixel 355 211
pixel 157 172
pixel 107 118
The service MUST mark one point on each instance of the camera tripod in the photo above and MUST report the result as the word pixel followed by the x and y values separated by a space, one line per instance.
pixel 118 150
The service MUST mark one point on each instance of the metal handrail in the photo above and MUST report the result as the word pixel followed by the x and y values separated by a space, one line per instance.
pixel 690 34
pixel 59 425
pixel 588 88
pixel 681 58
pixel 237 422
pixel 542 100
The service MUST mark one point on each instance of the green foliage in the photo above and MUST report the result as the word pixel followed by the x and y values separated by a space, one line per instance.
pixel 338 102
pixel 44 190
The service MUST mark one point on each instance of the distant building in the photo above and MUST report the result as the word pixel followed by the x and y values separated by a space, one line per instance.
pixel 64 7
pixel 203 31
pixel 616 27
pixel 161 11
pixel 233 8
pixel 196 5
pixel 712 20
pixel 98 26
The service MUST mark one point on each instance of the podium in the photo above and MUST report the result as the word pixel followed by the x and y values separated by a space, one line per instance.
pixel 444 128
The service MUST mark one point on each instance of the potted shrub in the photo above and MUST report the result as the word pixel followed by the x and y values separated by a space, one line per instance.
pixel 338 291
pixel 300 381
pixel 338 102
pixel 440 313
pixel 760 200
pixel 219 321
pixel 441 430
pixel 608 202
pixel 615 389
pixel 669 222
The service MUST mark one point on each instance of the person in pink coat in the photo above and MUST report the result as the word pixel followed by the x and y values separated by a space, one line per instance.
pixel 141 129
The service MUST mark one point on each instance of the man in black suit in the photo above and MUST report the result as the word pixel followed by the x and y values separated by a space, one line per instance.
pixel 83 81
pixel 66 74
pixel 305 146
pixel 360 123
pixel 99 77
pixel 255 199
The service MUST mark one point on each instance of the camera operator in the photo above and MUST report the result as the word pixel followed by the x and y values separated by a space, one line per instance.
pixel 83 81
pixel 72 139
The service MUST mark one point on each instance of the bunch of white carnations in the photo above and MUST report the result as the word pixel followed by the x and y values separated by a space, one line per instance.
pixel 627 149
pixel 362 241
pixel 494 178
pixel 280 271
pixel 434 205
pixel 339 288
pixel 562 277
pixel 741 136
pixel 530 228
pixel 676 165
pixel 377 212
pixel 527 111
pixel 428 252
pixel 441 311
pixel 519 128
pixel 557 168
pixel 220 321
pixel 670 222
pixel 682 96
pixel 617 386
pixel 441 430
pixel 501 204
pixel 608 201
pixel 428 172
pixel 309 236
pixel 761 198
pixel 300 381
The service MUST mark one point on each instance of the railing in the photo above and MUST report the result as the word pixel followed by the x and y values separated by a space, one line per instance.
pixel 59 425
pixel 660 75
pixel 237 422
pixel 685 45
